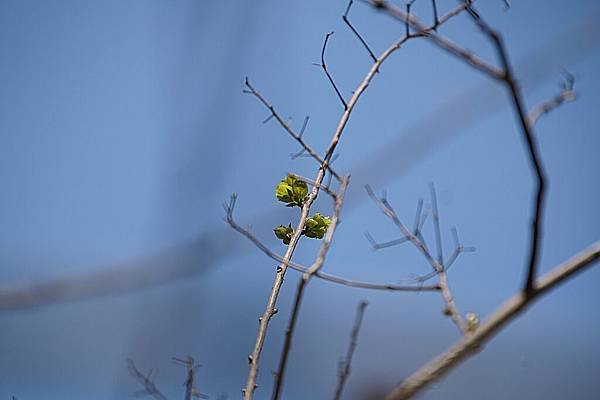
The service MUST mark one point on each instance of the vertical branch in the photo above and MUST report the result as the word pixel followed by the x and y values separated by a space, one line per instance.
pixel 364 43
pixel 436 225
pixel 346 362
pixel 302 283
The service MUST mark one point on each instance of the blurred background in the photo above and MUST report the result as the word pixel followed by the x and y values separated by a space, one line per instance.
pixel 123 127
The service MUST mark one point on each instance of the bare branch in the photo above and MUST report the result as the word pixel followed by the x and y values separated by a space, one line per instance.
pixel 251 90
pixel 147 381
pixel 293 156
pixel 438 267
pixel 512 308
pixel 324 66
pixel 346 363
pixel 364 43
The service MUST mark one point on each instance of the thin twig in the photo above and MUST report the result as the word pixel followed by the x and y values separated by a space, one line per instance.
pixel 364 43
pixel 324 188
pixel 531 145
pixel 190 386
pixel 567 94
pixel 438 267
pixel 326 70
pixel 512 308
pixel 346 363
pixel 251 90
pixel 147 381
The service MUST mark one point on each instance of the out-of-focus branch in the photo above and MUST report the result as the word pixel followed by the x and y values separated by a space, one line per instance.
pixel 147 381
pixel 441 41
pixel 438 267
pixel 512 308
pixel 346 363
pixel 567 94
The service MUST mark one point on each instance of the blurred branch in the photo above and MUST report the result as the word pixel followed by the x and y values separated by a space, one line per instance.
pixel 346 363
pixel 147 381
pixel 438 267
pixel 251 90
pixel 512 308
pixel 567 94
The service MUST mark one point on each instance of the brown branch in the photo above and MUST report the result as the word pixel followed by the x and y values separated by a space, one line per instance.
pixel 347 362
pixel 512 308
pixel 147 381
pixel 302 283
pixel 190 387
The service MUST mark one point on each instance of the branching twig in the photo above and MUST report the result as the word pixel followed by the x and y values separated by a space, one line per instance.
pixel 147 381
pixel 293 156
pixel 438 267
pixel 441 41
pixel 347 362
pixel 513 307
pixel 251 90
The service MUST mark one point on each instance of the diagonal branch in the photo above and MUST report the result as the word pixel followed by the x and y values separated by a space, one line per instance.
pixel 566 95
pixel 512 308
pixel 298 137
pixel 364 43
pixel 438 267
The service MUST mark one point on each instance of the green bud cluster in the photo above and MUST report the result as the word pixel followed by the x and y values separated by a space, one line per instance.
pixel 293 192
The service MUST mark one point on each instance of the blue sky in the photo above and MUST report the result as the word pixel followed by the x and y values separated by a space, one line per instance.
pixel 123 128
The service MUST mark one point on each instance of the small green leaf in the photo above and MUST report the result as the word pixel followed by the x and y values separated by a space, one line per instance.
pixel 292 191
pixel 316 226
pixel 284 233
